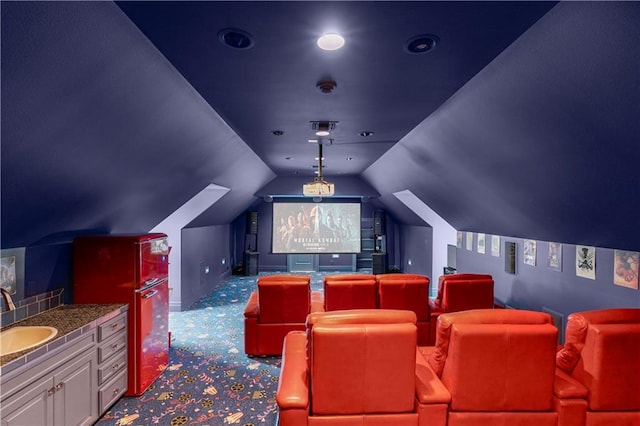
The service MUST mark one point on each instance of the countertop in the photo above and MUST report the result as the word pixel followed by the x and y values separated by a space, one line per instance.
pixel 71 322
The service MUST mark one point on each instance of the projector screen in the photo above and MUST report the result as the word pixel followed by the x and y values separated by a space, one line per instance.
pixel 316 228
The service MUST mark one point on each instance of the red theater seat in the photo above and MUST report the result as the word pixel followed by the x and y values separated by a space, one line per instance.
pixel 602 353
pixel 460 292
pixel 410 292
pixel 356 291
pixel 279 305
pixel 498 367
pixel 355 367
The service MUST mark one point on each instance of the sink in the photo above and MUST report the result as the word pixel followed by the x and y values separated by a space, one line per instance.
pixel 19 338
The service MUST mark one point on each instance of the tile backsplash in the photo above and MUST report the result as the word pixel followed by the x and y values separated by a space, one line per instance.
pixel 31 306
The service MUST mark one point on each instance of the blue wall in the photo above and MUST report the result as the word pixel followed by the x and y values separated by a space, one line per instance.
pixel 206 261
pixel 539 287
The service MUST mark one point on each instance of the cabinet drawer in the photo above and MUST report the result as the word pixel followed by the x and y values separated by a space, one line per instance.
pixel 111 327
pixel 112 367
pixel 113 346
pixel 112 391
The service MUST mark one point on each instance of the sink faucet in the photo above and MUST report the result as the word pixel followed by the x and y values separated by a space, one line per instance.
pixel 7 299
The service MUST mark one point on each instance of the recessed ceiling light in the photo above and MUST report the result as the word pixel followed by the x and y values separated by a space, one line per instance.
pixel 366 133
pixel 313 140
pixel 278 132
pixel 349 158
pixel 330 41
pixel 323 133
pixel 421 44
pixel 235 38
pixel 288 158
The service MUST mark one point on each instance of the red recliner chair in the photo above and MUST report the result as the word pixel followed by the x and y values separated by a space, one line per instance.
pixel 354 367
pixel 279 305
pixel 498 367
pixel 355 291
pixel 410 292
pixel 602 353
pixel 460 292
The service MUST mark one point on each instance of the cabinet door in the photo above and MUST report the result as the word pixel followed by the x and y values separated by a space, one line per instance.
pixel 32 406
pixel 75 401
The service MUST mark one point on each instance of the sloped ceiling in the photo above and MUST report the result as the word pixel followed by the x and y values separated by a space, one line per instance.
pixel 544 142
pixel 100 132
pixel 522 122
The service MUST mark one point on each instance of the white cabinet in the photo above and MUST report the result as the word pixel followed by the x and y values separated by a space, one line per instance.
pixel 61 396
pixel 112 361
pixel 74 384
pixel 32 406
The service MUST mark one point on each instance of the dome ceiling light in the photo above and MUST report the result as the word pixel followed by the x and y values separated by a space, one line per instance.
pixel 330 41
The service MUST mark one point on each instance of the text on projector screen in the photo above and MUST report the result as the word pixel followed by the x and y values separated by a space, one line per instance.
pixel 316 228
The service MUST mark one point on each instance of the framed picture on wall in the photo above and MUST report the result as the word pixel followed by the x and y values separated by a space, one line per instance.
pixel 12 271
pixel 495 245
pixel 554 256
pixel 459 239
pixel 510 257
pixel 625 268
pixel 481 243
pixel 529 253
pixel 586 262
pixel 470 241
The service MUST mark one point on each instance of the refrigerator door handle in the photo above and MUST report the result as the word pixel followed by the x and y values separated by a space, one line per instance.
pixel 150 294
pixel 151 283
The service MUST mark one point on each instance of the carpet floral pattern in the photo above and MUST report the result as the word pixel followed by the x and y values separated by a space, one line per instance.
pixel 209 380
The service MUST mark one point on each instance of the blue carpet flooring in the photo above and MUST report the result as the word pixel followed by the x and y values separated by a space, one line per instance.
pixel 209 379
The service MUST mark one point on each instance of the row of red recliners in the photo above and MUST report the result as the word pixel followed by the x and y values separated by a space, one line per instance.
pixel 489 367
pixel 282 302
pixel 458 292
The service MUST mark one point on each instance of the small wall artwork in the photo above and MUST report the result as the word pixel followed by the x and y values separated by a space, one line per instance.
pixel 529 252
pixel 554 256
pixel 459 239
pixel 470 241
pixel 481 243
pixel 510 257
pixel 586 262
pixel 8 275
pixel 625 268
pixel 495 245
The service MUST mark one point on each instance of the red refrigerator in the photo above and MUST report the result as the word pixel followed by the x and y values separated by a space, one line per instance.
pixel 130 269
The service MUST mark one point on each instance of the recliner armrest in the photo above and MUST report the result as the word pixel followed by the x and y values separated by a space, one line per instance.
pixel 429 388
pixel 293 388
pixel 317 302
pixel 252 308
pixel 565 386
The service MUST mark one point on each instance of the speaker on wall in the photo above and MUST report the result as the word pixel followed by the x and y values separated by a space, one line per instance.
pixel 252 223
pixel 378 223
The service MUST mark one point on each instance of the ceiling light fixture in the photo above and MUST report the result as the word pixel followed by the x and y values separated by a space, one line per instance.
pixel 235 38
pixel 421 44
pixel 319 187
pixel 323 128
pixel 278 132
pixel 326 86
pixel 330 41
pixel 366 133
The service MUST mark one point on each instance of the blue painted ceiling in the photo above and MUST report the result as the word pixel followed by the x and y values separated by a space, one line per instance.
pixel 522 121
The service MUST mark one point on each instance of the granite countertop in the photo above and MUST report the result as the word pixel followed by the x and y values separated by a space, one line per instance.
pixel 71 322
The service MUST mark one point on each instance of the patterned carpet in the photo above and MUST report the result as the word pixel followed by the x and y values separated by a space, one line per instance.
pixel 209 379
